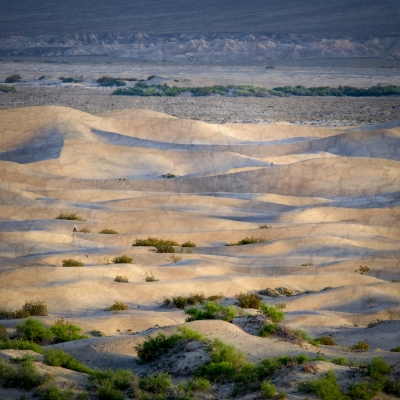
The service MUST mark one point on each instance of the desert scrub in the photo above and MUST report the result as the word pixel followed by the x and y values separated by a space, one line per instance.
pixel 175 259
pixel 7 89
pixel 13 78
pixel 305 336
pixel 59 358
pixel 271 312
pixel 108 232
pixel 154 346
pixel 326 387
pixel 153 241
pixel 248 300
pixel 33 330
pixel 396 349
pixel 197 385
pixel 194 298
pixel 150 277
pixel 97 333
pixel 65 331
pixel 326 341
pixel 158 384
pixel 72 263
pixel 247 240
pixel 85 229
pixel 117 306
pixel 188 244
pixel 122 260
pixel 16 344
pixel 211 310
pixel 107 81
pixel 360 346
pixel 70 216
pixel 264 227
pixel 268 389
pixel 267 329
pixel 362 269
pixel 54 393
pixel 169 175
pixel 120 278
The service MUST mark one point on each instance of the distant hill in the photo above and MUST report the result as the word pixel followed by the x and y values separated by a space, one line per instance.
pixel 334 19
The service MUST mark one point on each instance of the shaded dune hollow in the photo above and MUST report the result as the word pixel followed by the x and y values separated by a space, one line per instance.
pixel 322 201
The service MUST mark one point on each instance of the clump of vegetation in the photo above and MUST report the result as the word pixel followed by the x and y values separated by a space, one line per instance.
pixel 310 264
pixel 70 216
pixel 326 387
pixel 188 244
pixel 59 358
pixel 33 330
pixel 150 277
pixel 65 331
pixel 152 241
pixel 272 313
pixel 247 240
pixel 70 79
pixel 305 337
pixel 13 78
pixel 120 278
pixel 117 306
pixel 150 77
pixel 16 344
pixel 108 232
pixel 3 332
pixel 360 346
pixel 363 269
pixel 326 341
pixel 122 260
pixel 169 175
pixel 268 389
pixel 107 81
pixel 7 89
pixel 54 393
pixel 158 384
pixel 30 308
pixel 191 300
pixel 396 349
pixel 264 227
pixel 248 300
pixel 267 330
pixel 211 310
pixel 97 333
pixel 175 259
pixel 85 230
pixel 72 263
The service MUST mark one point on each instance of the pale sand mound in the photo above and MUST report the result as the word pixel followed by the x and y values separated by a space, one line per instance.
pixel 328 205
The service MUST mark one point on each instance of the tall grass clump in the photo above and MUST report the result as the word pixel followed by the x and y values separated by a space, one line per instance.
pixel 70 216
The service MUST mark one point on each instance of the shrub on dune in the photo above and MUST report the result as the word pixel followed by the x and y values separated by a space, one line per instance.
pixel 247 240
pixel 248 300
pixel 108 232
pixel 122 260
pixel 211 310
pixel 65 331
pixel 70 216
pixel 72 263
pixel 117 306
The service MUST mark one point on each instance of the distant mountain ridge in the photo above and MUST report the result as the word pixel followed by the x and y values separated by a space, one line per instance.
pixel 217 47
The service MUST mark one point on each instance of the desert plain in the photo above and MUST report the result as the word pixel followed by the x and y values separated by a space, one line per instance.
pixel 317 180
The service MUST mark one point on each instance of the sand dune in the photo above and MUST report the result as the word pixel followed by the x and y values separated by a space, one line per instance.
pixel 328 205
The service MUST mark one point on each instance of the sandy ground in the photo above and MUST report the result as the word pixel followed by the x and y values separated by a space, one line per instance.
pixel 330 195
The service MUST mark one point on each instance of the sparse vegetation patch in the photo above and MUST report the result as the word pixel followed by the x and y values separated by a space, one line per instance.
pixel 7 89
pixel 117 306
pixel 120 278
pixel 72 263
pixel 108 232
pixel 247 240
pixel 122 260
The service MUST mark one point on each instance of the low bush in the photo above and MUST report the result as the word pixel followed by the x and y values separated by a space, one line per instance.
pixel 108 232
pixel 306 337
pixel 97 333
pixel 3 332
pixel 302 358
pixel 72 263
pixel 395 349
pixel 360 346
pixel 211 310
pixel 151 77
pixel 268 389
pixel 13 78
pixel 154 346
pixel 267 329
pixel 175 259
pixel 191 300
pixel 158 384
pixel 107 81
pixel 35 308
pixel 59 358
pixel 271 312
pixel 54 393
pixel 152 241
pixel 120 278
pixel 342 361
pixel 164 248
pixel 198 385
pixel 363 390
pixel 70 79
pixel 169 175
pixel 117 306
pixel 7 89
pixel 33 330
pixel 108 392
pixel 20 345
pixel 120 379
pixel 363 269
pixel 326 341
pixel 218 372
pixel 326 387
pixel 85 230
pixel 247 240
pixel 122 260
pixel 65 331
pixel 188 244
pixel 70 216
pixel 248 300
pixel 264 227
pixel 149 277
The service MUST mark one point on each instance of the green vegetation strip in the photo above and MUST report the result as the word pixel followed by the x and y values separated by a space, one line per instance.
pixel 143 89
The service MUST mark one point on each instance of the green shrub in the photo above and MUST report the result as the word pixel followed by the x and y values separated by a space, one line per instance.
pixel 211 310
pixel 267 329
pixel 70 216
pixel 120 379
pixel 154 346
pixel 191 300
pixel 20 345
pixel 218 372
pixel 326 341
pixel 272 312
pixel 175 258
pixel 221 352
pixel 305 336
pixel 341 361
pixel 66 331
pixel 396 349
pixel 325 387
pixel 71 80
pixel 302 358
pixel 13 78
pixel 362 391
pixel 7 89
pixel 107 81
pixel 199 385
pixel 108 232
pixel 54 393
pixel 120 278
pixel 247 240
pixel 85 229
pixel 122 260
pixel 188 244
pixel 248 300
pixel 152 241
pixel 360 346
pixel 3 332
pixel 268 389
pixel 72 263
pixel 117 306
pixel 159 383
pixel 264 227
pixel 169 175
pixel 151 77
pixel 149 277
pixel 59 358
pixel 33 330
pixel 107 392
pixel 164 248
pixel 97 333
